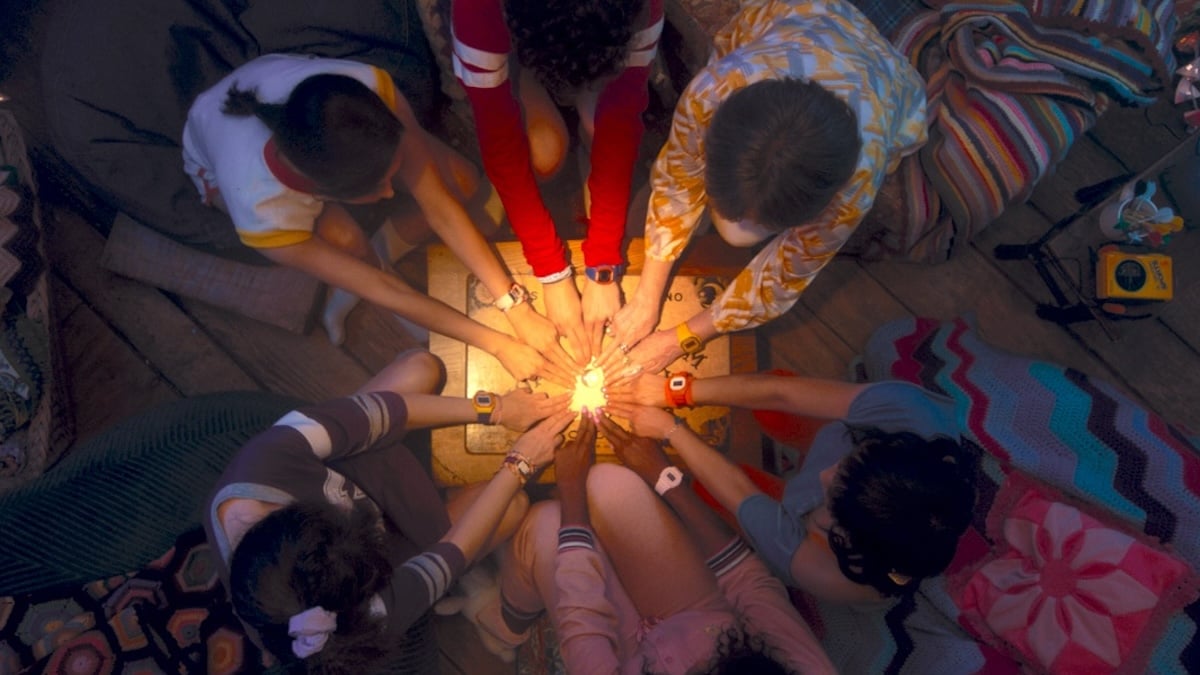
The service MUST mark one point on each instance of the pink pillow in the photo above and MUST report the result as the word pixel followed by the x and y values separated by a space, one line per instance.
pixel 1065 593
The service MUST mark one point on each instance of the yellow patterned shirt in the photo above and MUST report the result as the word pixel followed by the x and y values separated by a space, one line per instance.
pixel 826 41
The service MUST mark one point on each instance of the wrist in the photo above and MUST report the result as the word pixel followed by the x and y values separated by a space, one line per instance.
pixel 668 479
pixel 556 277
pixel 689 343
pixel 486 405
pixel 677 390
pixel 518 465
pixel 514 297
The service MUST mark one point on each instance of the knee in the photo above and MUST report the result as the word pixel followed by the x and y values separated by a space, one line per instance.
pixel 346 236
pixel 611 485
pixel 538 530
pixel 425 371
pixel 547 148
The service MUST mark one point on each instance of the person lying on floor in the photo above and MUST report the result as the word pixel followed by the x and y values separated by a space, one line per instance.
pixel 880 501
pixel 641 582
pixel 283 143
pixel 332 538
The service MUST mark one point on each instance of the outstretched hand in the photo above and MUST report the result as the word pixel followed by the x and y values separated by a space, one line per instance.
pixel 643 389
pixel 538 444
pixel 539 332
pixel 563 309
pixel 520 408
pixel 575 457
pixel 520 360
pixel 653 423
pixel 600 304
pixel 634 321
pixel 643 456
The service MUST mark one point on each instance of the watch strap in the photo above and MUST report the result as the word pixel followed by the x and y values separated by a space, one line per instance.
pixel 689 342
pixel 483 412
pixel 516 295
pixel 671 477
pixel 519 465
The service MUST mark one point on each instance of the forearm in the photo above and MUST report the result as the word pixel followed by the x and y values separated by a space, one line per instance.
pixel 473 530
pixel 721 477
pixel 653 281
pixel 813 397
pixel 431 410
pixel 573 500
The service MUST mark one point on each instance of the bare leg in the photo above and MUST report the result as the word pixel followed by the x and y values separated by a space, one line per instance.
pixel 548 138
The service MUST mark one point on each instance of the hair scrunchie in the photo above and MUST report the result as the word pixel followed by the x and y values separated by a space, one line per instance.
pixel 311 629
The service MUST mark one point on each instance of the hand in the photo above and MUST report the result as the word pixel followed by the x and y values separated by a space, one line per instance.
pixel 575 458
pixel 643 420
pixel 538 444
pixel 538 332
pixel 656 351
pixel 635 320
pixel 562 306
pixel 520 360
pixel 643 456
pixel 644 389
pixel 600 304
pixel 520 408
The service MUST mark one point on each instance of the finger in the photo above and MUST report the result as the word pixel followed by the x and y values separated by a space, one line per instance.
pixel 621 409
pixel 558 375
pixel 596 332
pixel 559 356
pixel 559 421
pixel 613 431
pixel 580 345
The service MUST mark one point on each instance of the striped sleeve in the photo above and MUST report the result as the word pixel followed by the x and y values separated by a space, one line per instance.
pixel 420 582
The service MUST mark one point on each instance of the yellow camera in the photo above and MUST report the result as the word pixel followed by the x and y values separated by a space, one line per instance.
pixel 1133 276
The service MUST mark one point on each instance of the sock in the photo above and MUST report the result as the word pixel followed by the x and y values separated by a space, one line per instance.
pixel 389 246
pixel 338 305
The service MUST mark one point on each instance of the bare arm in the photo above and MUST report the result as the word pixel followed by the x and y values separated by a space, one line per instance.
pixel 813 397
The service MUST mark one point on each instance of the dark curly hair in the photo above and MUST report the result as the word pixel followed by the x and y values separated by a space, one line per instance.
pixel 570 43
pixel 337 131
pixel 313 555
pixel 777 151
pixel 899 504
pixel 741 654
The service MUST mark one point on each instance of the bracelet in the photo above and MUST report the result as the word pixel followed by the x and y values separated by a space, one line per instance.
pixel 557 276
pixel 667 436
pixel 519 465
pixel 516 295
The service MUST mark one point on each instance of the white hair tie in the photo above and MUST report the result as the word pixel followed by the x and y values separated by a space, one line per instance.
pixel 311 629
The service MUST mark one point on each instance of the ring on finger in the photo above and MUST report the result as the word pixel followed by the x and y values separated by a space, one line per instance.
pixel 624 348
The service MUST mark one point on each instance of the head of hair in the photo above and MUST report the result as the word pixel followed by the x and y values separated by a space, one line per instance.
pixel 777 151
pixel 570 43
pixel 308 555
pixel 899 504
pixel 742 654
pixel 333 128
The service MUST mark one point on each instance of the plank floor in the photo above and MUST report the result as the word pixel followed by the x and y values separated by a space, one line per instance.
pixel 128 346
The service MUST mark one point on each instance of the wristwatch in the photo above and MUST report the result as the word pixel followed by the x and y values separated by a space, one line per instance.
pixel 516 295
pixel 689 342
pixel 605 274
pixel 679 389
pixel 485 405
pixel 671 477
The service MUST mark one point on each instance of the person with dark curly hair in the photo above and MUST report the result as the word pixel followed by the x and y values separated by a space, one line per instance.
pixel 639 575
pixel 880 501
pixel 784 138
pixel 330 535
pixel 515 58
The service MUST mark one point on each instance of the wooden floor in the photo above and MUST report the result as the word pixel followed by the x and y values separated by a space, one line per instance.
pixel 129 347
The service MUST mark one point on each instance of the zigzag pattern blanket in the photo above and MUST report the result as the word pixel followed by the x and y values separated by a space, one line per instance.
pixel 1053 441
pixel 1010 85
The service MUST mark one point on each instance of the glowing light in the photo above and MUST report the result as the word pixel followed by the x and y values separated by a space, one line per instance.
pixel 589 392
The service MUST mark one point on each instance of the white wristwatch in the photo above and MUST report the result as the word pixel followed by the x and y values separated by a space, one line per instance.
pixel 670 477
pixel 516 295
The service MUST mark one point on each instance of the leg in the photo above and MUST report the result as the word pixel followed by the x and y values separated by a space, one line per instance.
pixel 585 105
pixel 414 371
pixel 548 138
pixel 654 557
pixel 459 500
pixel 336 227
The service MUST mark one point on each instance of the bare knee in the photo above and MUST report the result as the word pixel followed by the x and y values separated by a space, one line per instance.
pixel 613 487
pixel 547 147
pixel 347 236
pixel 423 371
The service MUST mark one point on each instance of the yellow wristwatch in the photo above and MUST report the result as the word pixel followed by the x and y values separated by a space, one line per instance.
pixel 485 405
pixel 689 342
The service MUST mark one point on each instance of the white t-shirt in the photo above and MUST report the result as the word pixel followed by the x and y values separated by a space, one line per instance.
pixel 223 153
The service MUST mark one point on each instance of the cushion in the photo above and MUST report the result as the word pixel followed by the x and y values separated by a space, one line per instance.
pixel 1068 593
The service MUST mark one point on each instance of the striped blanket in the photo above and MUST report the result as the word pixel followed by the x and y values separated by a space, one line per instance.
pixel 1010 85
pixel 1114 484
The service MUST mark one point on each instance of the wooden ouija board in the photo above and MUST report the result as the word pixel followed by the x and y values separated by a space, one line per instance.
pixel 473 452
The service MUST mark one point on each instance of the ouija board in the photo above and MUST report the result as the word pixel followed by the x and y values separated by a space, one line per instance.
pixel 470 453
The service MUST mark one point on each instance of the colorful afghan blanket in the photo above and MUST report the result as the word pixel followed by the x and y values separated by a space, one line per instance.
pixel 1086 542
pixel 1010 86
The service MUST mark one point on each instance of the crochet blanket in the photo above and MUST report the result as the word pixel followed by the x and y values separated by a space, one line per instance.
pixel 1010 85
pixel 1086 539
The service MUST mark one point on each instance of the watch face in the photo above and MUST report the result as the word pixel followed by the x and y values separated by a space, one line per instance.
pixel 691 344
pixel 677 383
pixel 604 276
pixel 483 399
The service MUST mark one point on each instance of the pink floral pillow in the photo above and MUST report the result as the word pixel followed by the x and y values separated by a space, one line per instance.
pixel 1067 594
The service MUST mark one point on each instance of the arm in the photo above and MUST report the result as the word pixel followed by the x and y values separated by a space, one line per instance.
pixel 586 622
pixel 809 396
pixel 767 613
pixel 340 269
pixel 728 485
pixel 518 410
pixel 481 52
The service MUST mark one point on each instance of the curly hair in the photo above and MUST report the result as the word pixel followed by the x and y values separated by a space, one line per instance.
pixel 336 130
pixel 313 555
pixel 900 503
pixel 570 43
pixel 777 151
